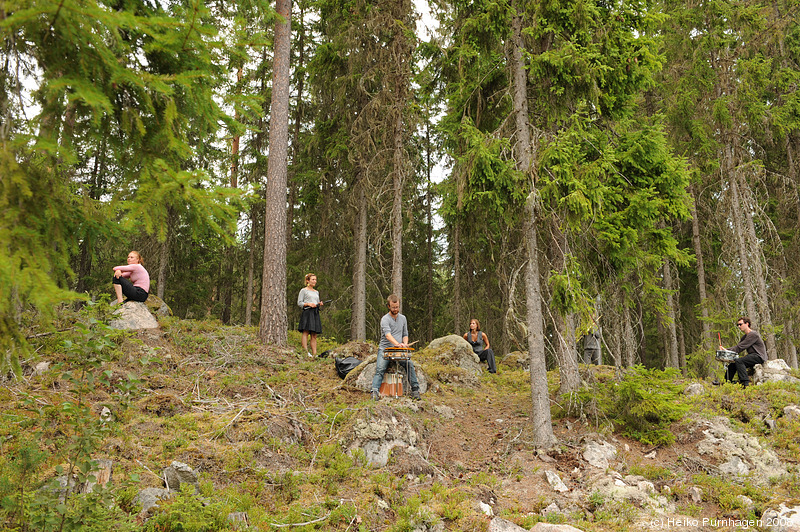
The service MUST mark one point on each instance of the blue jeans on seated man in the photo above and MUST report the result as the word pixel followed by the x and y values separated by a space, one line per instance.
pixel 380 369
pixel 740 365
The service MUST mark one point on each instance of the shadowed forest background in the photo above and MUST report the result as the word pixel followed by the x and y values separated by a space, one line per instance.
pixel 646 154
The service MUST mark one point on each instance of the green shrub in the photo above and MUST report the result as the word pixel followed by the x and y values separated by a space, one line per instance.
pixel 645 403
pixel 187 513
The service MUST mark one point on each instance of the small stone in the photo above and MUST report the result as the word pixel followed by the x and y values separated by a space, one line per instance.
pixel 651 455
pixel 647 487
pixel 745 501
pixel 791 411
pixel 498 524
pixel 694 389
pixel 770 423
pixel 41 367
pixel 486 509
pixel 552 508
pixel 696 494
pixel 555 481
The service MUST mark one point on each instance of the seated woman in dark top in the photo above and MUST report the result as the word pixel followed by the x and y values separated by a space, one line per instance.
pixel 480 344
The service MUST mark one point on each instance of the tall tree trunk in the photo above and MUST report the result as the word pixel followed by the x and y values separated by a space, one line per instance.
pixel 761 295
pixel 540 415
pixel 791 349
pixel 741 244
pixel 564 324
pixel 358 319
pixel 429 236
pixel 273 325
pixel 228 257
pixel 163 258
pixel 629 337
pixel 298 119
pixel 707 341
pixel 458 300
pixel 397 208
pixel 250 297
pixel 671 322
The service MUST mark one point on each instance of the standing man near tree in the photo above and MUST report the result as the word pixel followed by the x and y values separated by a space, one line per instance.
pixel 394 333
pixel 756 353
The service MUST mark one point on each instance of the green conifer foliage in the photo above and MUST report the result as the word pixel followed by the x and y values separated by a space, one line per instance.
pixel 125 109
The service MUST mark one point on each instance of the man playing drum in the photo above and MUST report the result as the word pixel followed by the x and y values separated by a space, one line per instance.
pixel 394 333
pixel 756 353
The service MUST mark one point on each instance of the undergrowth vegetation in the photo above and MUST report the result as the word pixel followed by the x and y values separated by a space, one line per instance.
pixel 270 432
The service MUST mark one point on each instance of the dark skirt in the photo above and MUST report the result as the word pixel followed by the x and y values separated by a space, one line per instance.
pixel 309 321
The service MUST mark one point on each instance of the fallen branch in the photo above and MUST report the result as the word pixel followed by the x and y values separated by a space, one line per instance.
pixel 276 525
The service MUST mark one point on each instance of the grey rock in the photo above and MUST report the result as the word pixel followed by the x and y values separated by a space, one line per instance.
pixel 745 501
pixel 773 371
pixel 770 423
pixel 555 481
pixel 599 454
pixel 517 360
pixel 485 508
pixel 41 367
pixel 133 315
pixel 694 389
pixel 498 524
pixel 646 486
pixel 157 306
pixel 696 494
pixel 377 437
pixel 740 453
pixel 735 466
pixel 791 412
pixel 551 508
pixel 149 498
pixel 782 519
pixel 178 474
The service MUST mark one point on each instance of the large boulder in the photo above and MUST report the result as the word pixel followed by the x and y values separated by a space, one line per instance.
pixel 516 360
pixel 377 433
pixel 738 453
pixel 450 359
pixel 133 315
pixel 359 350
pixel 773 371
pixel 157 306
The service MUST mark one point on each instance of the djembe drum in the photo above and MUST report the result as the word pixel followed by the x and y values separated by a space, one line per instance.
pixel 392 385
pixel 725 355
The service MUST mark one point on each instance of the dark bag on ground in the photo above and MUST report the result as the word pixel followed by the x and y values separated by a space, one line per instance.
pixel 346 365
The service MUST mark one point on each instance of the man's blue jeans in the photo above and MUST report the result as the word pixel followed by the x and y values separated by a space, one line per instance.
pixel 380 369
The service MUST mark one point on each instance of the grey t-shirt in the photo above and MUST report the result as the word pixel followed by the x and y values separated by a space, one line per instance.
pixel 398 328
pixel 306 297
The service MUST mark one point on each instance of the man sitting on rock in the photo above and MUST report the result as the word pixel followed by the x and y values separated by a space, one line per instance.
pixel 756 353
pixel 394 333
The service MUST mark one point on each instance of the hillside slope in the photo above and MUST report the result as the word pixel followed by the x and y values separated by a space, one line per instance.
pixel 279 441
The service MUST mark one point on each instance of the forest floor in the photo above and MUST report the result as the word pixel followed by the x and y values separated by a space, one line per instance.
pixel 271 434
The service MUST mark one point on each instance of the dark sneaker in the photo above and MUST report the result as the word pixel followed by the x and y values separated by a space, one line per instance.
pixel 415 395
pixel 745 384
pixel 376 396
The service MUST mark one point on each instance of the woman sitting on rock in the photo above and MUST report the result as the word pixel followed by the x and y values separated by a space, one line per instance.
pixel 131 280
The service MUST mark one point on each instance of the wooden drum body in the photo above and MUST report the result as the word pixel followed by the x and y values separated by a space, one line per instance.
pixel 392 385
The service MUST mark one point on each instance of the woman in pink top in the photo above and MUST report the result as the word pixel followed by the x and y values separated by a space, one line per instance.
pixel 132 280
